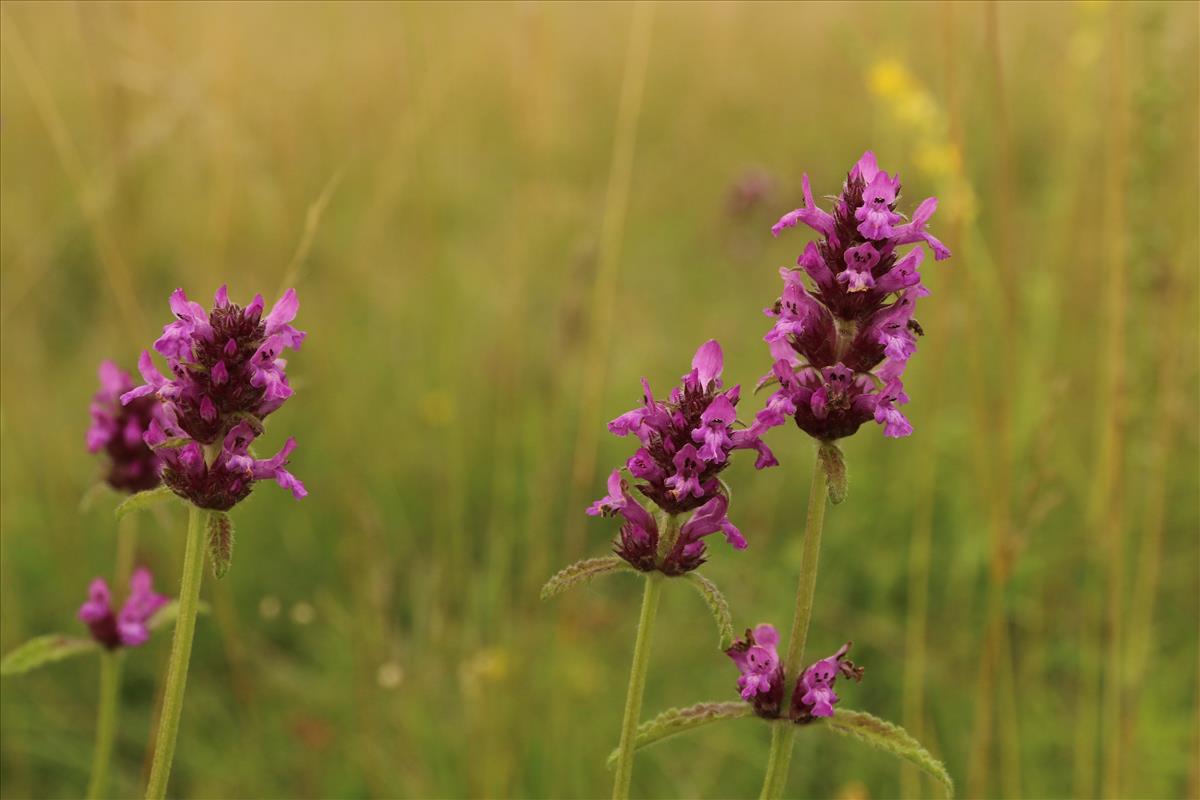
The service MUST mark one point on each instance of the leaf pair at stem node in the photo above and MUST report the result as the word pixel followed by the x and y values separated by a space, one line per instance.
pixel 859 725
pixel 219 533
pixel 582 572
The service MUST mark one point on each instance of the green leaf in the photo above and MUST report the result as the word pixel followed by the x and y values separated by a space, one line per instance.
pixel 680 720
pixel 892 738
pixel 44 650
pixel 141 500
pixel 582 572
pixel 834 467
pixel 220 542
pixel 717 605
pixel 93 495
pixel 164 616
pixel 169 613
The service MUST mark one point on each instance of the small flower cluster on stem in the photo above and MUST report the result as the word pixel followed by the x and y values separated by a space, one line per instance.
pixel 129 626
pixel 814 695
pixel 227 378
pixel 762 677
pixel 686 441
pixel 841 346
pixel 119 430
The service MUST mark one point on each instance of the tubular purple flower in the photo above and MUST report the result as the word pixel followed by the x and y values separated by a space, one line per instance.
pixel 915 231
pixel 761 675
pixel 876 215
pixel 710 518
pixel 859 262
pixel 809 214
pixel 127 628
pixel 904 274
pixel 612 502
pixel 686 480
pixel 642 465
pixel 814 696
pixel 228 377
pixel 708 363
pixel 841 347
pixel 131 466
pixel 685 442
pixel 715 425
pixel 816 268
pixel 894 423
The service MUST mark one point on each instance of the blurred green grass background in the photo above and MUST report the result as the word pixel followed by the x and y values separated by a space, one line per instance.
pixel 498 218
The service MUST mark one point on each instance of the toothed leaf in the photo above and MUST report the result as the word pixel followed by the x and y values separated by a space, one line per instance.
pixel 834 467
pixel 717 605
pixel 220 542
pixel 44 650
pixel 582 572
pixel 141 500
pixel 892 738
pixel 680 720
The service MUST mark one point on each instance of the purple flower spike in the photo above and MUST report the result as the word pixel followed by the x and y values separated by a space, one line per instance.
pixel 841 346
pixel 227 378
pixel 128 627
pixel 118 430
pixel 685 443
pixel 814 695
pixel 761 679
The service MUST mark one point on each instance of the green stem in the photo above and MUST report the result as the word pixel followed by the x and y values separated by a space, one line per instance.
pixel 106 721
pixel 637 686
pixel 181 651
pixel 780 758
pixel 127 535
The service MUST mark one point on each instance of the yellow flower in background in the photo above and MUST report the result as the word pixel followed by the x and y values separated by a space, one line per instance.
pixel 489 665
pixel 890 78
pixel 914 108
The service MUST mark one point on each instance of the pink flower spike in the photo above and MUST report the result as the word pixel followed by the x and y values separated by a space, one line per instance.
pixel 227 375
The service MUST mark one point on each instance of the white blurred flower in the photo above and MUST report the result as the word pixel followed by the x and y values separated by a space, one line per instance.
pixel 303 613
pixel 269 607
pixel 389 675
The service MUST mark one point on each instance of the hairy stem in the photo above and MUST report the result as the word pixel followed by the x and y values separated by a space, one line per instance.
pixel 637 686
pixel 780 758
pixel 106 721
pixel 181 652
